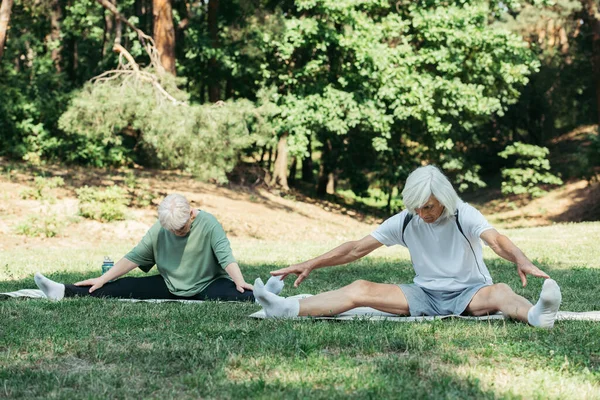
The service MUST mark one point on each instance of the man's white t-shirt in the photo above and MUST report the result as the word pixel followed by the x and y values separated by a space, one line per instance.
pixel 442 257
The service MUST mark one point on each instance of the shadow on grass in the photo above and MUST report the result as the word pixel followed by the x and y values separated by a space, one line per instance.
pixel 178 374
pixel 109 349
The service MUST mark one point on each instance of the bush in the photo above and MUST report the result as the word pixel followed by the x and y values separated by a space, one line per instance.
pixel 204 139
pixel 105 205
pixel 41 225
pixel 43 189
pixel 532 169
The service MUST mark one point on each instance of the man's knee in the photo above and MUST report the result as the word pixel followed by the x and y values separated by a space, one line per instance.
pixel 501 291
pixel 359 289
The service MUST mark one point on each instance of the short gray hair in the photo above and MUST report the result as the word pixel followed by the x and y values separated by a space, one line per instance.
pixel 174 212
pixel 426 181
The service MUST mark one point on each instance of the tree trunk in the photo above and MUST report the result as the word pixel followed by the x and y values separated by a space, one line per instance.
pixel 55 21
pixel 109 19
pixel 261 162
pixel 326 181
pixel 269 158
pixel 164 33
pixel 118 27
pixel 214 88
pixel 592 18
pixel 280 168
pixel 293 169
pixel 307 165
pixel 330 183
pixel 5 10
pixel 143 10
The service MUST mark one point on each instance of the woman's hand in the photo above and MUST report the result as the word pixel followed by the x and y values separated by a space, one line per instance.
pixel 95 283
pixel 242 286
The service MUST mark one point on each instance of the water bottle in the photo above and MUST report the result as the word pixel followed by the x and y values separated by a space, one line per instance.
pixel 107 264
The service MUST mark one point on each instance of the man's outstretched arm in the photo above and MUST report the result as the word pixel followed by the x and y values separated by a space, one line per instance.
pixel 506 249
pixel 343 254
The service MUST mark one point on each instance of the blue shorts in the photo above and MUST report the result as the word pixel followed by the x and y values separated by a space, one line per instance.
pixel 423 301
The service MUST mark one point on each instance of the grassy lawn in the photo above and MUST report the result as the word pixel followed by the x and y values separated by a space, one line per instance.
pixel 91 348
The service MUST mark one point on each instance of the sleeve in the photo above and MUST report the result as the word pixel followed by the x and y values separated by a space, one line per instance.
pixel 390 232
pixel 220 245
pixel 473 222
pixel 143 253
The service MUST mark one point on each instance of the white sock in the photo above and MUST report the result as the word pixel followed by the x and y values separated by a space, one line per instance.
pixel 274 285
pixel 53 290
pixel 543 314
pixel 275 306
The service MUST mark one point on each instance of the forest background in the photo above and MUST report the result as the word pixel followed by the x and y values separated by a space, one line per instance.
pixel 346 95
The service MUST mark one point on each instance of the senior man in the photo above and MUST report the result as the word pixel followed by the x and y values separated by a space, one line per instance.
pixel 443 235
pixel 191 252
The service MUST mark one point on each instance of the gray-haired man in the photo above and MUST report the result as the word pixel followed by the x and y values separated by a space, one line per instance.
pixel 443 235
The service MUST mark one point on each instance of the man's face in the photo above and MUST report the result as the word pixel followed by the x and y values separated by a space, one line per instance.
pixel 430 211
pixel 185 229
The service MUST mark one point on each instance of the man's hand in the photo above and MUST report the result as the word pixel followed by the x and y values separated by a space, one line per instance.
pixel 530 269
pixel 243 285
pixel 302 270
pixel 95 283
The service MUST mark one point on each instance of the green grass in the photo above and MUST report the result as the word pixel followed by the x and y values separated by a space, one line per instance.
pixel 91 348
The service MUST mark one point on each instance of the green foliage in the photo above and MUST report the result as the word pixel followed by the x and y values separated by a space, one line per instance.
pixel 42 189
pixel 205 139
pixel 140 192
pixel 531 170
pixel 381 89
pixel 46 224
pixel 376 88
pixel 102 204
pixel 561 96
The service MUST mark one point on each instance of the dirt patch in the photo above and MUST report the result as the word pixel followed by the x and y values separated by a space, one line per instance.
pixel 244 211
pixel 575 201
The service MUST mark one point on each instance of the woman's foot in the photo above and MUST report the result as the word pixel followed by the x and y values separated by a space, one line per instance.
pixel 53 290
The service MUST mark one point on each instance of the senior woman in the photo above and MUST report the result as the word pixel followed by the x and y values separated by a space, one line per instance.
pixel 191 252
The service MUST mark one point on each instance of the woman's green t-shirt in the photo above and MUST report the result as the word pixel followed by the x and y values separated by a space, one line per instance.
pixel 188 263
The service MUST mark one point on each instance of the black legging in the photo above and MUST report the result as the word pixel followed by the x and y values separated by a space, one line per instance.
pixel 154 287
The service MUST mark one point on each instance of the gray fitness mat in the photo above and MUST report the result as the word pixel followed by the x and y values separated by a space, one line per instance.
pixel 363 313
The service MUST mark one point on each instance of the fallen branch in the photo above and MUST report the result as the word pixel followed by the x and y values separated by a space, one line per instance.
pixel 132 69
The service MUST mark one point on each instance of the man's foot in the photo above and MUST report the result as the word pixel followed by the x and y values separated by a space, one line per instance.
pixel 53 290
pixel 274 285
pixel 275 306
pixel 543 314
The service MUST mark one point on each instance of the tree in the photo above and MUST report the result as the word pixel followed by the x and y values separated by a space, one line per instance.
pixel 384 88
pixel 164 33
pixel 592 20
pixel 5 10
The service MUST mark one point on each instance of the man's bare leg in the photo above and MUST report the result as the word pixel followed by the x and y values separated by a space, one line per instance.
pixel 500 297
pixel 383 297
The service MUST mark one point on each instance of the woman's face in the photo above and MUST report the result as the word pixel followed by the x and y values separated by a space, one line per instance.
pixel 185 229
pixel 431 210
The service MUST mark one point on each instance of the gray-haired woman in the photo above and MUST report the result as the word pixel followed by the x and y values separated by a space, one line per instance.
pixel 191 252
